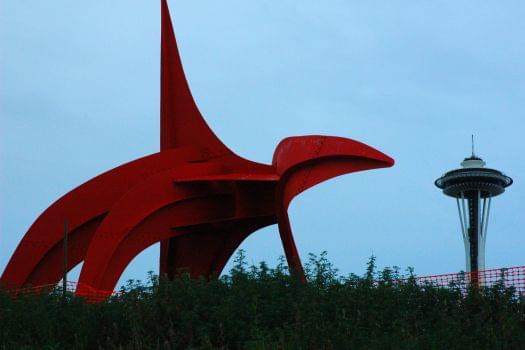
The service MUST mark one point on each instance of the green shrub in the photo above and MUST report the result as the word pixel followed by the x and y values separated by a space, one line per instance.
pixel 258 307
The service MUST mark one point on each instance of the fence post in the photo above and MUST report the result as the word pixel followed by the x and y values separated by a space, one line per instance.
pixel 64 277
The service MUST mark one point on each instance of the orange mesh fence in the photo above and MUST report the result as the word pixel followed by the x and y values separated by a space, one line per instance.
pixel 88 293
pixel 507 277
pixel 92 295
pixel 45 288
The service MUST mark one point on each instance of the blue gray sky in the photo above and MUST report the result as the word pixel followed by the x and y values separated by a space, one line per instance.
pixel 79 94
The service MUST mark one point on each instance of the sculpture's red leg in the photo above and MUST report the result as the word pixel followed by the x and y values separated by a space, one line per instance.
pixel 50 268
pixel 236 233
pixel 206 250
pixel 193 253
pixel 290 249
pixel 164 258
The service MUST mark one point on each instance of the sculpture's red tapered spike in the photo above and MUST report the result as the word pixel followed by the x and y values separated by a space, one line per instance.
pixel 181 124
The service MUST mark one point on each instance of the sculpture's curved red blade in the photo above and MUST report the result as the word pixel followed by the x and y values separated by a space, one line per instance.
pixel 38 258
pixel 305 161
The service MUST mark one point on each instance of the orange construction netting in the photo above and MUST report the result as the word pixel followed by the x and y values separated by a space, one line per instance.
pixel 90 294
pixel 508 277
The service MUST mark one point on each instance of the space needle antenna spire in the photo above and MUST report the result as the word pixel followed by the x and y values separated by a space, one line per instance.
pixel 472 140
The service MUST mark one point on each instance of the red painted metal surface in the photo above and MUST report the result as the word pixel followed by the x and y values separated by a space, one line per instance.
pixel 196 197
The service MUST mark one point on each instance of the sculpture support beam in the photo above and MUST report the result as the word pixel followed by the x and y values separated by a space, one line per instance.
pixel 292 255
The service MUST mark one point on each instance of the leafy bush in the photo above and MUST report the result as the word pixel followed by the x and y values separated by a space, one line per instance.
pixel 258 307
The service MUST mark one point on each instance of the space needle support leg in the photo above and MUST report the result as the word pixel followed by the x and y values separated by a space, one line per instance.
pixel 485 222
pixel 463 229
pixel 482 235
pixel 464 224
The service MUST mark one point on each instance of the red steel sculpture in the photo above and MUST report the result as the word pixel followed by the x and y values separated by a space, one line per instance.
pixel 196 197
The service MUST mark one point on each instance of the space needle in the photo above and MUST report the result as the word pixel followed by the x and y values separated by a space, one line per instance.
pixel 473 186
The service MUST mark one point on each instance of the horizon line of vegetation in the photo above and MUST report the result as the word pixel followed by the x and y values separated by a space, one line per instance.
pixel 258 307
